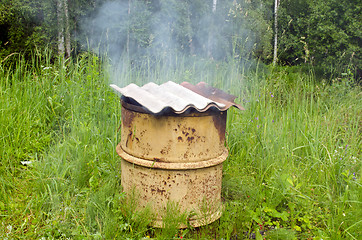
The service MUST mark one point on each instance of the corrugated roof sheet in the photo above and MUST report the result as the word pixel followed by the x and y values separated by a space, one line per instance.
pixel 178 97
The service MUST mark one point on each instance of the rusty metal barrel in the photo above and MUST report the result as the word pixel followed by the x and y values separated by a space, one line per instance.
pixel 174 158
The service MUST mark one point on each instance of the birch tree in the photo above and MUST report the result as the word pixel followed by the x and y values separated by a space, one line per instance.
pixel 60 27
pixel 67 32
pixel 64 47
pixel 276 6
pixel 211 34
pixel 214 2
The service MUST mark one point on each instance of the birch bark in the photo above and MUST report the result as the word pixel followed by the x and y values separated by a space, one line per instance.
pixel 60 27
pixel 211 34
pixel 67 33
pixel 276 6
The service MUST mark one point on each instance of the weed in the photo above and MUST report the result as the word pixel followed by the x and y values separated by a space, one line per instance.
pixel 294 166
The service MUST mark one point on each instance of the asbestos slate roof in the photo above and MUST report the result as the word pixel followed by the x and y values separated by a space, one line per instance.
pixel 178 97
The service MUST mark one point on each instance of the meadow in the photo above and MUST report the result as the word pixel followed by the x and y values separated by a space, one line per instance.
pixel 293 171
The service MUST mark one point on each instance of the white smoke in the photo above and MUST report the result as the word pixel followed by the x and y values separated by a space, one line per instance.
pixel 125 33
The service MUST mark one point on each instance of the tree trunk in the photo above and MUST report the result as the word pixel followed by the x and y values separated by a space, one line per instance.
pixel 214 2
pixel 276 6
pixel 211 32
pixel 128 29
pixel 191 45
pixel 60 27
pixel 67 33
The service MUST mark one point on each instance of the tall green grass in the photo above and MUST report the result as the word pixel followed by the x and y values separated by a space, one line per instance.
pixel 294 153
pixel 294 167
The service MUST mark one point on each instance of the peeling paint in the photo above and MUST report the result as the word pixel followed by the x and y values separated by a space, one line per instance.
pixel 174 158
pixel 178 138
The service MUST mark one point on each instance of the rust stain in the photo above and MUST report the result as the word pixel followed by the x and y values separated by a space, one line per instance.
pixel 220 124
pixel 163 152
pixel 185 133
pixel 158 191
pixel 201 138
pixel 129 139
pixel 148 165
pixel 191 189
pixel 127 117
pixel 214 94
pixel 176 135
pixel 142 133
pixel 159 159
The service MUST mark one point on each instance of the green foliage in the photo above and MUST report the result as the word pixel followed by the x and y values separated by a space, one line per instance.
pixel 293 170
pixel 251 29
pixel 281 234
pixel 295 151
pixel 24 25
pixel 27 118
pixel 172 220
pixel 138 27
pixel 324 33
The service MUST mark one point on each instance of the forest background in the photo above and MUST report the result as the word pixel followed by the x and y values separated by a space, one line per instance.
pixel 325 34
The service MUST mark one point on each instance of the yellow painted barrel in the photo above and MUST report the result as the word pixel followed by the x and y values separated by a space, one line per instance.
pixel 174 157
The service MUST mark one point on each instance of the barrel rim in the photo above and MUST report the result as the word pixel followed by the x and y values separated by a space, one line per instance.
pixel 171 166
